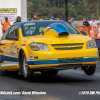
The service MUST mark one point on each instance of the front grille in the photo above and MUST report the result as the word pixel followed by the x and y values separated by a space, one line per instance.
pixel 74 46
pixel 70 60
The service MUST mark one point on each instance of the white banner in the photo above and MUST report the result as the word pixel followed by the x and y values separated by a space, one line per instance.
pixel 11 16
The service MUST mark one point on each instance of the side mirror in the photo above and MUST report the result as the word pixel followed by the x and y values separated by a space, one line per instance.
pixel 84 33
pixel 12 37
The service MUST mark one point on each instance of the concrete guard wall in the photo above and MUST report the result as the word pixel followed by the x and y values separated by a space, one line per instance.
pixel 20 5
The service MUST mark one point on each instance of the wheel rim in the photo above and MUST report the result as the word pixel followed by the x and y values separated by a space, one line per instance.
pixel 25 67
pixel 87 68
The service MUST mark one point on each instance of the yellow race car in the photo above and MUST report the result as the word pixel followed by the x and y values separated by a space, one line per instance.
pixel 46 46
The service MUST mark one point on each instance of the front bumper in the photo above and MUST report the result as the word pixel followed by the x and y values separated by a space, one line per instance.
pixel 99 53
pixel 62 61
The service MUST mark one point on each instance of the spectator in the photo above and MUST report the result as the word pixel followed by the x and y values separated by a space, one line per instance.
pixel 57 18
pixel 69 21
pixel 85 22
pixel 18 19
pixel 5 24
pixel 51 18
pixel 73 22
pixel 94 22
pixel 36 17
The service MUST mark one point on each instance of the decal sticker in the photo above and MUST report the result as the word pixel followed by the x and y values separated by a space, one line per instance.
pixel 15 46
pixel 29 24
pixel 24 41
pixel 12 46
pixel 14 52
pixel 23 45
pixel 17 50
pixel 24 24
pixel 31 56
pixel 8 48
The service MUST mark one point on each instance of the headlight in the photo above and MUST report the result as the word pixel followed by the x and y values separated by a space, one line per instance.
pixel 91 44
pixel 39 46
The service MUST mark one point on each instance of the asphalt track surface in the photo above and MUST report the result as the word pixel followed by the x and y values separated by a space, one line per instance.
pixel 64 86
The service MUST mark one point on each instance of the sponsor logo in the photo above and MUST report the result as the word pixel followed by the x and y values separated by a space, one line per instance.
pixel 24 41
pixel 12 46
pixel 17 50
pixel 8 10
pixel 14 52
pixel 15 46
pixel 68 46
pixel 23 45
pixel 31 56
pixel 8 48
pixel 29 24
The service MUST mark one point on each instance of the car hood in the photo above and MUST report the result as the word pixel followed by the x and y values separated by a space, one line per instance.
pixel 72 38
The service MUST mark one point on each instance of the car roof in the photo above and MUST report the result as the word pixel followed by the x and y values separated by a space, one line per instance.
pixel 39 21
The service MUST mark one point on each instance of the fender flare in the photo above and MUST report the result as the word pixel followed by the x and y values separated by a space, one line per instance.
pixel 25 51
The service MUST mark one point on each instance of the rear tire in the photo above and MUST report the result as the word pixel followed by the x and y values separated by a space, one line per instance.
pixel 5 73
pixel 27 72
pixel 9 73
pixel 89 70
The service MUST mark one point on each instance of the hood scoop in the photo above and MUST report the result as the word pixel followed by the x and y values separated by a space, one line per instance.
pixel 63 34
pixel 57 30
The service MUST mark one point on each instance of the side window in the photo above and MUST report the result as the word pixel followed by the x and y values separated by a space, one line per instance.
pixel 5 34
pixel 14 30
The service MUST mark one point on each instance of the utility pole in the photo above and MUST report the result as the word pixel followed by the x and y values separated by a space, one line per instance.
pixel 66 10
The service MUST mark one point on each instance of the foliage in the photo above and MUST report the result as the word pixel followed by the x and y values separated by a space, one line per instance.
pixel 56 8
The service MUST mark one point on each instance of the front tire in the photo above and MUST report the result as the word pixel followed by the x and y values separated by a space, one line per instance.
pixel 89 70
pixel 27 72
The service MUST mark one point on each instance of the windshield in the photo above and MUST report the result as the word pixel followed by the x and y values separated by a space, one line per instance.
pixel 36 28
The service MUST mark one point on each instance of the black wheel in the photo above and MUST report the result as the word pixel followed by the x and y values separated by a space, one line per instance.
pixel 89 70
pixel 14 73
pixel 5 73
pixel 9 73
pixel 27 72
pixel 46 72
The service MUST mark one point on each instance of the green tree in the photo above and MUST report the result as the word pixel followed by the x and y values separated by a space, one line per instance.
pixel 81 12
pixel 71 10
pixel 29 9
pixel 56 8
